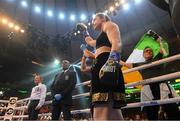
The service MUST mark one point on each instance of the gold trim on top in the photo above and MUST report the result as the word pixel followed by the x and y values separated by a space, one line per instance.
pixel 117 96
pixel 100 97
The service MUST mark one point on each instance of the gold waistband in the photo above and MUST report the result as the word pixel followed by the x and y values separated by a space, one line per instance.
pixel 117 96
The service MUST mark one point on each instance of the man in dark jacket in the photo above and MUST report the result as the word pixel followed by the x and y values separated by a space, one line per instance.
pixel 61 91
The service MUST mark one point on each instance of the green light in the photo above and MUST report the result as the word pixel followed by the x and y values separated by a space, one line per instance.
pixel 22 91
pixel 176 86
pixel 130 91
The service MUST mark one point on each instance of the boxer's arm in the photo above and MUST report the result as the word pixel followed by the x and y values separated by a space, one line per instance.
pixel 89 54
pixel 89 40
pixel 128 65
pixel 84 67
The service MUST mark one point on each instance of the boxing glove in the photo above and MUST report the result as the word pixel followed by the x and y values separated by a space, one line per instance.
pixel 83 47
pixel 153 34
pixel 83 28
pixel 57 97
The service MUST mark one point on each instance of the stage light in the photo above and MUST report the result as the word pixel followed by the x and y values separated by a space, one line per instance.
pixel 4 21
pixel 137 1
pixel 106 11
pixel 1 93
pixel 126 6
pixel 117 4
pixel 177 80
pixel 111 9
pixel 78 32
pixel 49 13
pixel 11 25
pixel 83 17
pixel 75 33
pixel 56 62
pixel 37 9
pixel 22 31
pixel 61 16
pixel 122 1
pixel 93 15
pixel 24 3
pixel 89 23
pixel 17 28
pixel 72 17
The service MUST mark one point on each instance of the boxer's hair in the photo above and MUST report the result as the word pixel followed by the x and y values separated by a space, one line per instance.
pixel 103 16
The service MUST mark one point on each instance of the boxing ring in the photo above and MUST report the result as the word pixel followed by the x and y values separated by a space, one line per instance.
pixel 23 102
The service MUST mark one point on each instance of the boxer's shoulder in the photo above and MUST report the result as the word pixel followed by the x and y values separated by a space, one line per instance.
pixel 109 25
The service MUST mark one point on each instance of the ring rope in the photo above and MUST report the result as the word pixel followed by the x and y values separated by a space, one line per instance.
pixel 146 81
pixel 130 105
pixel 165 60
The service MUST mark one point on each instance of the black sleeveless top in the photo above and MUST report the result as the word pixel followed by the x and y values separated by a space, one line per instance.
pixel 102 40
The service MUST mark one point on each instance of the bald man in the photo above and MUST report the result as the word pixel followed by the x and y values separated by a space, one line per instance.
pixel 61 91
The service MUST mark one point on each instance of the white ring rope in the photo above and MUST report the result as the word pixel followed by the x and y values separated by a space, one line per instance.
pixel 145 66
pixel 131 105
pixel 155 79
pixel 165 60
pixel 83 84
pixel 4 101
pixel 155 63
pixel 146 81
pixel 142 82
pixel 49 114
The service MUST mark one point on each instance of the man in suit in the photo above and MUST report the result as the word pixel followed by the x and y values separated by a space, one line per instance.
pixel 61 91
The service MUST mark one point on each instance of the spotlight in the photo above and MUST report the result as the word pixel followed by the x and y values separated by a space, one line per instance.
pixel 78 32
pixel 75 33
pixel 1 93
pixel 93 15
pixel 122 1
pixel 37 9
pixel 72 17
pixel 106 11
pixel 22 31
pixel 126 6
pixel 11 25
pixel 89 23
pixel 137 1
pixel 111 9
pixel 117 4
pixel 49 13
pixel 4 21
pixel 56 62
pixel 83 17
pixel 24 3
pixel 61 16
pixel 17 28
